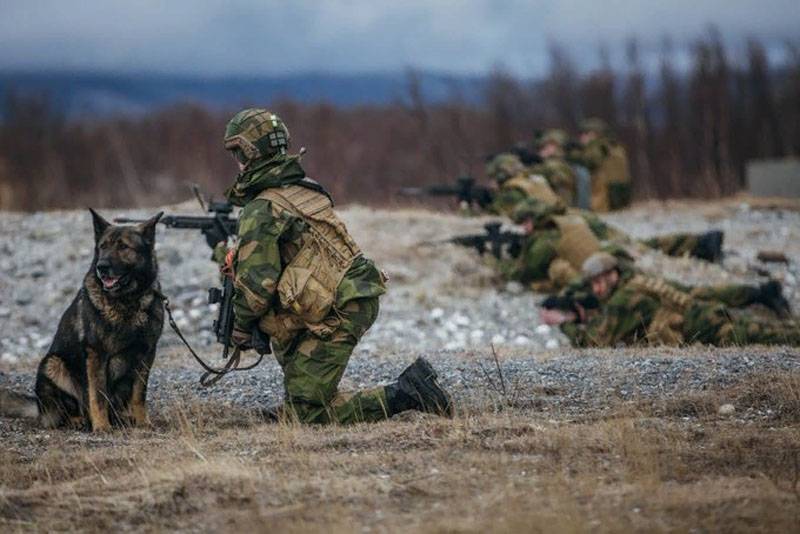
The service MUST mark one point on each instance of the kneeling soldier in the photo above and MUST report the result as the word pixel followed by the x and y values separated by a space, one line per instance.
pixel 300 278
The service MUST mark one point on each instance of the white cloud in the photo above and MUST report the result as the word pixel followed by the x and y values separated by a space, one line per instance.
pixel 464 36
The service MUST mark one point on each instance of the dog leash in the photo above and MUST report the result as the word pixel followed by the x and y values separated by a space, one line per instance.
pixel 212 375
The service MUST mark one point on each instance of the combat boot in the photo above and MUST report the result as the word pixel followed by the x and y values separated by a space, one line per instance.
pixel 709 246
pixel 771 296
pixel 417 389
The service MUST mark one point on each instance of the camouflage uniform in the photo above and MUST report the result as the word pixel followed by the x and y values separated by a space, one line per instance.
pixel 677 245
pixel 549 263
pixel 516 184
pixel 549 259
pixel 313 351
pixel 561 177
pixel 648 310
pixel 555 169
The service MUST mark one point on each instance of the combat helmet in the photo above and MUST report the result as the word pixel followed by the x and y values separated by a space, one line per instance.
pixel 504 166
pixel 553 135
pixel 535 210
pixel 256 133
pixel 598 263
pixel 594 124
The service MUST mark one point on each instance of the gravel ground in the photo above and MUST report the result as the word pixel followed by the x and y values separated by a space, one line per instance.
pixel 570 384
pixel 443 302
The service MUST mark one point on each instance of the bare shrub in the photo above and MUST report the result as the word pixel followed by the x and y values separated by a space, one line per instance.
pixel 687 135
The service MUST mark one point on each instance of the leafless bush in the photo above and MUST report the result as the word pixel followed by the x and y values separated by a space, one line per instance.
pixel 688 134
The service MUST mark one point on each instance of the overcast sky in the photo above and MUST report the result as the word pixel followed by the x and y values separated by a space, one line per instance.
pixel 275 37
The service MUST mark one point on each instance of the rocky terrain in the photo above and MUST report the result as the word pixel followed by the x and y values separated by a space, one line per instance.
pixel 441 297
pixel 688 439
pixel 444 301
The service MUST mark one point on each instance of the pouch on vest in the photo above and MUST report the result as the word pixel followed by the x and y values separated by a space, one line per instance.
pixel 666 328
pixel 667 324
pixel 577 241
pixel 281 327
pixel 533 186
pixel 307 287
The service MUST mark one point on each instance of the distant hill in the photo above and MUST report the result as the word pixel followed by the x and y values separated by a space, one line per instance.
pixel 82 93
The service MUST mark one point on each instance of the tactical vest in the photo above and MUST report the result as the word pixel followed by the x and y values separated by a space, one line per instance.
pixel 614 169
pixel 667 324
pixel 533 186
pixel 307 287
pixel 577 241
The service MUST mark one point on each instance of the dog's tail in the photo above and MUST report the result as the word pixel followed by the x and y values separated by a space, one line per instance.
pixel 13 404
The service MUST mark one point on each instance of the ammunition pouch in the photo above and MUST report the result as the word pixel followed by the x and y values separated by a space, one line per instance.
pixel 307 288
pixel 281 327
pixel 666 326
pixel 561 273
pixel 577 241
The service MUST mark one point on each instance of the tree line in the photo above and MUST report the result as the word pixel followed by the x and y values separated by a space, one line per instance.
pixel 689 132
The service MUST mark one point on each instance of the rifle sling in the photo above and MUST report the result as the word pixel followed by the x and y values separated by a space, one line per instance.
pixel 212 374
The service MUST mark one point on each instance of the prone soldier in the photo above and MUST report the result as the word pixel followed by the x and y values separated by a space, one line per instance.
pixel 560 239
pixel 636 309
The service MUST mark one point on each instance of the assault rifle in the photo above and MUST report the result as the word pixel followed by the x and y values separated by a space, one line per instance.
pixel 464 189
pixel 223 324
pixel 220 219
pixel 217 227
pixel 571 301
pixel 494 240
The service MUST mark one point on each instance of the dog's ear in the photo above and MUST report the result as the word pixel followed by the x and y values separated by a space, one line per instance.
pixel 100 225
pixel 148 228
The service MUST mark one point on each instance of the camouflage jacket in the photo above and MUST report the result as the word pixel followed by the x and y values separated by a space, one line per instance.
pixel 541 249
pixel 266 244
pixel 642 309
pixel 506 200
pixel 560 176
pixel 591 155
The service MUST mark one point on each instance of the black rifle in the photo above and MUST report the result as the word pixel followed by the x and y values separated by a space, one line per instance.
pixel 464 189
pixel 220 219
pixel 570 301
pixel 494 241
pixel 223 325
pixel 224 225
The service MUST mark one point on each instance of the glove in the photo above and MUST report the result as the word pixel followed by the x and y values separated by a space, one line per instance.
pixel 260 341
pixel 214 235
pixel 241 340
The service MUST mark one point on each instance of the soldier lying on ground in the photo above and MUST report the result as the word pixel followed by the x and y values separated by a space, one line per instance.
pixel 513 182
pixel 636 309
pixel 300 278
pixel 561 239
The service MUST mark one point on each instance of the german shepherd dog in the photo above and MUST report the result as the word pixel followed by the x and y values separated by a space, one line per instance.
pixel 96 370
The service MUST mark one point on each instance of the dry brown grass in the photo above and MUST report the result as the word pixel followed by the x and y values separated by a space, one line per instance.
pixel 205 467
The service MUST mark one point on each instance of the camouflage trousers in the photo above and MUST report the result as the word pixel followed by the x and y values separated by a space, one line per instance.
pixel 731 295
pixel 714 324
pixel 314 364
pixel 674 244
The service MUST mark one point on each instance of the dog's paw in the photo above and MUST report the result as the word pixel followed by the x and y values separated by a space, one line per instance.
pixel 138 417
